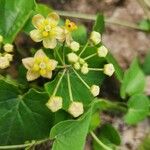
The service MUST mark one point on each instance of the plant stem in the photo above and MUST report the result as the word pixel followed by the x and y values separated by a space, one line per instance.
pixel 84 48
pixel 81 79
pixel 23 145
pixel 58 83
pixel 69 87
pixel 90 56
pixel 63 63
pixel 99 142
pixel 96 69
pixel 93 17
pixel 62 67
pixel 63 50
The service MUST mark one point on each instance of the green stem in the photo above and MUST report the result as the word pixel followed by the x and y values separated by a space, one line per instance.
pixel 63 50
pixel 99 142
pixel 96 69
pixel 63 63
pixel 62 67
pixel 69 87
pixel 90 56
pixel 84 48
pixel 81 79
pixel 33 143
pixel 93 17
pixel 58 83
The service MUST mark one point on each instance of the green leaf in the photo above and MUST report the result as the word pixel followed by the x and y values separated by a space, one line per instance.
pixel 99 25
pixel 133 81
pixel 138 109
pixel 80 35
pixel 145 25
pixel 146 64
pixel 71 134
pixel 14 14
pixel 22 118
pixel 109 136
pixel 118 70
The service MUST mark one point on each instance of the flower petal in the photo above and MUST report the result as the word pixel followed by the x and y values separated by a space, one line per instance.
pixel 28 62
pixel 48 75
pixel 53 17
pixel 49 43
pixel 52 63
pixel 60 35
pixel 36 35
pixel 31 75
pixel 37 20
pixel 40 54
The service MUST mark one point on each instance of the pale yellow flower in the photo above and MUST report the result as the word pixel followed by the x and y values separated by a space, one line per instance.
pixel 47 30
pixel 4 62
pixel 74 46
pixel 39 65
pixel 68 29
pixel 8 48
pixel 95 37
pixel 76 109
pixel 72 57
pixel 95 90
pixel 109 69
pixel 102 51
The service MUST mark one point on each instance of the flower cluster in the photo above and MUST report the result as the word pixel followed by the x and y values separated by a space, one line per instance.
pixel 48 31
pixel 5 57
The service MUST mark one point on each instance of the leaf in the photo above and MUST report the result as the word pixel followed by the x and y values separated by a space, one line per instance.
pixel 109 136
pixel 138 109
pixel 99 25
pixel 133 81
pixel 145 144
pixel 22 118
pixel 146 64
pixel 40 9
pixel 80 35
pixel 71 134
pixel 145 25
pixel 118 70
pixel 14 15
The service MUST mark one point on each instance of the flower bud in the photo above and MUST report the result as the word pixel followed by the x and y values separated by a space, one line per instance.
pixel 72 57
pixel 102 51
pixel 77 66
pixel 81 61
pixel 75 46
pixel 109 69
pixel 8 47
pixel 84 69
pixel 9 57
pixel 4 63
pixel 95 90
pixel 95 37
pixel 54 103
pixel 76 109
pixel 1 38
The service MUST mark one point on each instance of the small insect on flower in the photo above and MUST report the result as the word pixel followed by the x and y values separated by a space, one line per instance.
pixel 54 103
pixel 109 69
pixel 76 109
pixel 95 90
pixel 8 48
pixel 72 57
pixel 74 46
pixel 4 62
pixel 68 29
pixel 102 51
pixel 95 37
pixel 47 30
pixel 39 65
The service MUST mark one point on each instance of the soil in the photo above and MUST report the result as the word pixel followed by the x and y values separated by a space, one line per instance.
pixel 124 43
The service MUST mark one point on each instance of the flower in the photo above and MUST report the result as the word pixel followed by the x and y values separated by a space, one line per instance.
pixel 1 38
pixel 4 62
pixel 72 57
pixel 95 90
pixel 8 48
pixel 76 109
pixel 75 46
pixel 68 29
pixel 77 66
pixel 39 65
pixel 95 37
pixel 84 68
pixel 46 30
pixel 9 56
pixel 54 103
pixel 109 69
pixel 102 51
